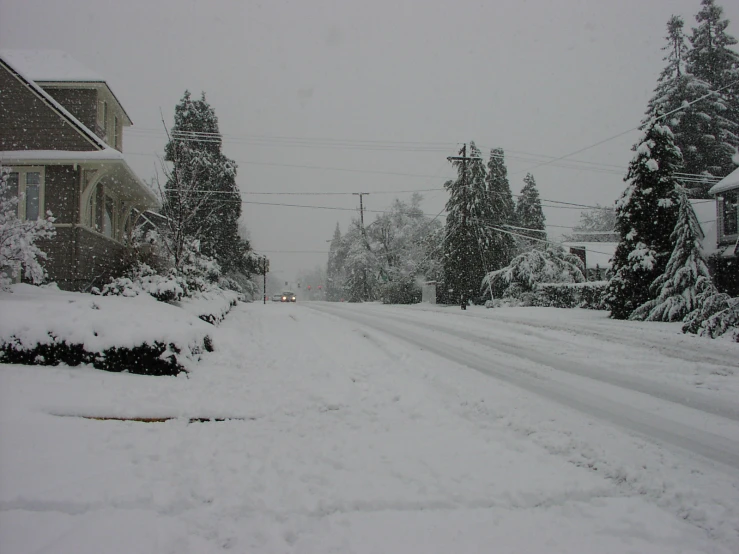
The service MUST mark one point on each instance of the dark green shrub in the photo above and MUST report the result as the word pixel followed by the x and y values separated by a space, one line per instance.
pixel 144 359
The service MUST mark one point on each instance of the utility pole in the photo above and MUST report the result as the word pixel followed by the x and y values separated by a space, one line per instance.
pixel 463 158
pixel 361 206
pixel 265 268
pixel 364 234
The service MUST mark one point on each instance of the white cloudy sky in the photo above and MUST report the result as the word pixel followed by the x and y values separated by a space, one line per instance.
pixel 376 86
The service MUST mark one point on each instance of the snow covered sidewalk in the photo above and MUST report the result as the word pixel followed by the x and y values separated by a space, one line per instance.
pixel 342 440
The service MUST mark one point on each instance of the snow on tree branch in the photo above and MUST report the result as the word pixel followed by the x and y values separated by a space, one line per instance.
pixel 18 248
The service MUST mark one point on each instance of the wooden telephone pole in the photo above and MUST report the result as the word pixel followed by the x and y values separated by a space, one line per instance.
pixel 265 269
pixel 464 159
pixel 361 206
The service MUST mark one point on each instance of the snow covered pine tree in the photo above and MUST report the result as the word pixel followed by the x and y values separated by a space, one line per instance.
pixel 712 60
pixel 677 288
pixel 201 198
pixel 710 140
pixel 469 244
pixel 501 211
pixel 646 215
pixel 529 215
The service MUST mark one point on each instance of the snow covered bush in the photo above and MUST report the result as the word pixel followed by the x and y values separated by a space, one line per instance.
pixel 589 295
pixel 403 289
pixel 142 279
pixel 46 326
pixel 197 274
pixel 210 306
pixel 18 248
pixel 716 312
pixel 549 265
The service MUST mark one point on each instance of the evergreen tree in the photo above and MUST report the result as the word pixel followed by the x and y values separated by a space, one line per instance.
pixel 529 214
pixel 702 123
pixel 469 245
pixel 692 122
pixel 501 211
pixel 201 190
pixel 711 58
pixel 712 61
pixel 335 269
pixel 678 286
pixel 646 214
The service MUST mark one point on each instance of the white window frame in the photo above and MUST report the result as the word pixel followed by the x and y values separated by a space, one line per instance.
pixel 90 214
pixel 22 171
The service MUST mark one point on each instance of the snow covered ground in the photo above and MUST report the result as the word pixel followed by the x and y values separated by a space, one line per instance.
pixel 370 428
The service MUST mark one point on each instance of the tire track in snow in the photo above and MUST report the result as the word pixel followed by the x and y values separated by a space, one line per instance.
pixel 653 426
pixel 663 391
pixel 628 337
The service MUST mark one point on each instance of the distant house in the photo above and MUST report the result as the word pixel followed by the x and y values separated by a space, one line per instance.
pixel 725 262
pixel 61 134
pixel 596 256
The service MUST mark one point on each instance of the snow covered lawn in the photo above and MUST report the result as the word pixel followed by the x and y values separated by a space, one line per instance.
pixel 342 439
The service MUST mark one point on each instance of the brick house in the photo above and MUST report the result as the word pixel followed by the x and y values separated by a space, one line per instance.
pixel 61 135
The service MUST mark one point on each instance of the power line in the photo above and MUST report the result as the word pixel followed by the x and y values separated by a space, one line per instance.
pixel 682 107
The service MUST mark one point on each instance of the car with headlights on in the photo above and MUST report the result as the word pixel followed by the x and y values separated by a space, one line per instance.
pixel 288 296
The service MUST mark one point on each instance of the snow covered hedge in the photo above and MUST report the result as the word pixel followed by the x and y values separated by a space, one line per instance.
pixel 210 306
pixel 46 326
pixel 589 295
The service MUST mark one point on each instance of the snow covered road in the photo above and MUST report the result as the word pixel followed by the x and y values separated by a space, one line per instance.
pixel 538 365
pixel 370 429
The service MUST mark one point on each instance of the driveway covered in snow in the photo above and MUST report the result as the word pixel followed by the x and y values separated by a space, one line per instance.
pixel 384 429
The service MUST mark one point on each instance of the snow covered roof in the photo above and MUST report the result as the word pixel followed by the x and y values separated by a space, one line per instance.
pixel 18 156
pixel 705 212
pixel 50 66
pixel 731 181
pixel 596 253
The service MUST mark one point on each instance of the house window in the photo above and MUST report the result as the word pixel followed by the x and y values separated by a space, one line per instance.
pixel 109 218
pixel 105 116
pixel 729 214
pixel 27 184
pixel 11 189
pixel 115 132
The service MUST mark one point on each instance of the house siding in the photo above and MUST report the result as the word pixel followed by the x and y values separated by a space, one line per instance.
pixel 81 103
pixel 60 262
pixel 29 123
pixel 100 258
pixel 62 194
pixel 78 259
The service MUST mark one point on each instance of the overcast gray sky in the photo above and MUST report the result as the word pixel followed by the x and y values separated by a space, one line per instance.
pixel 539 78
